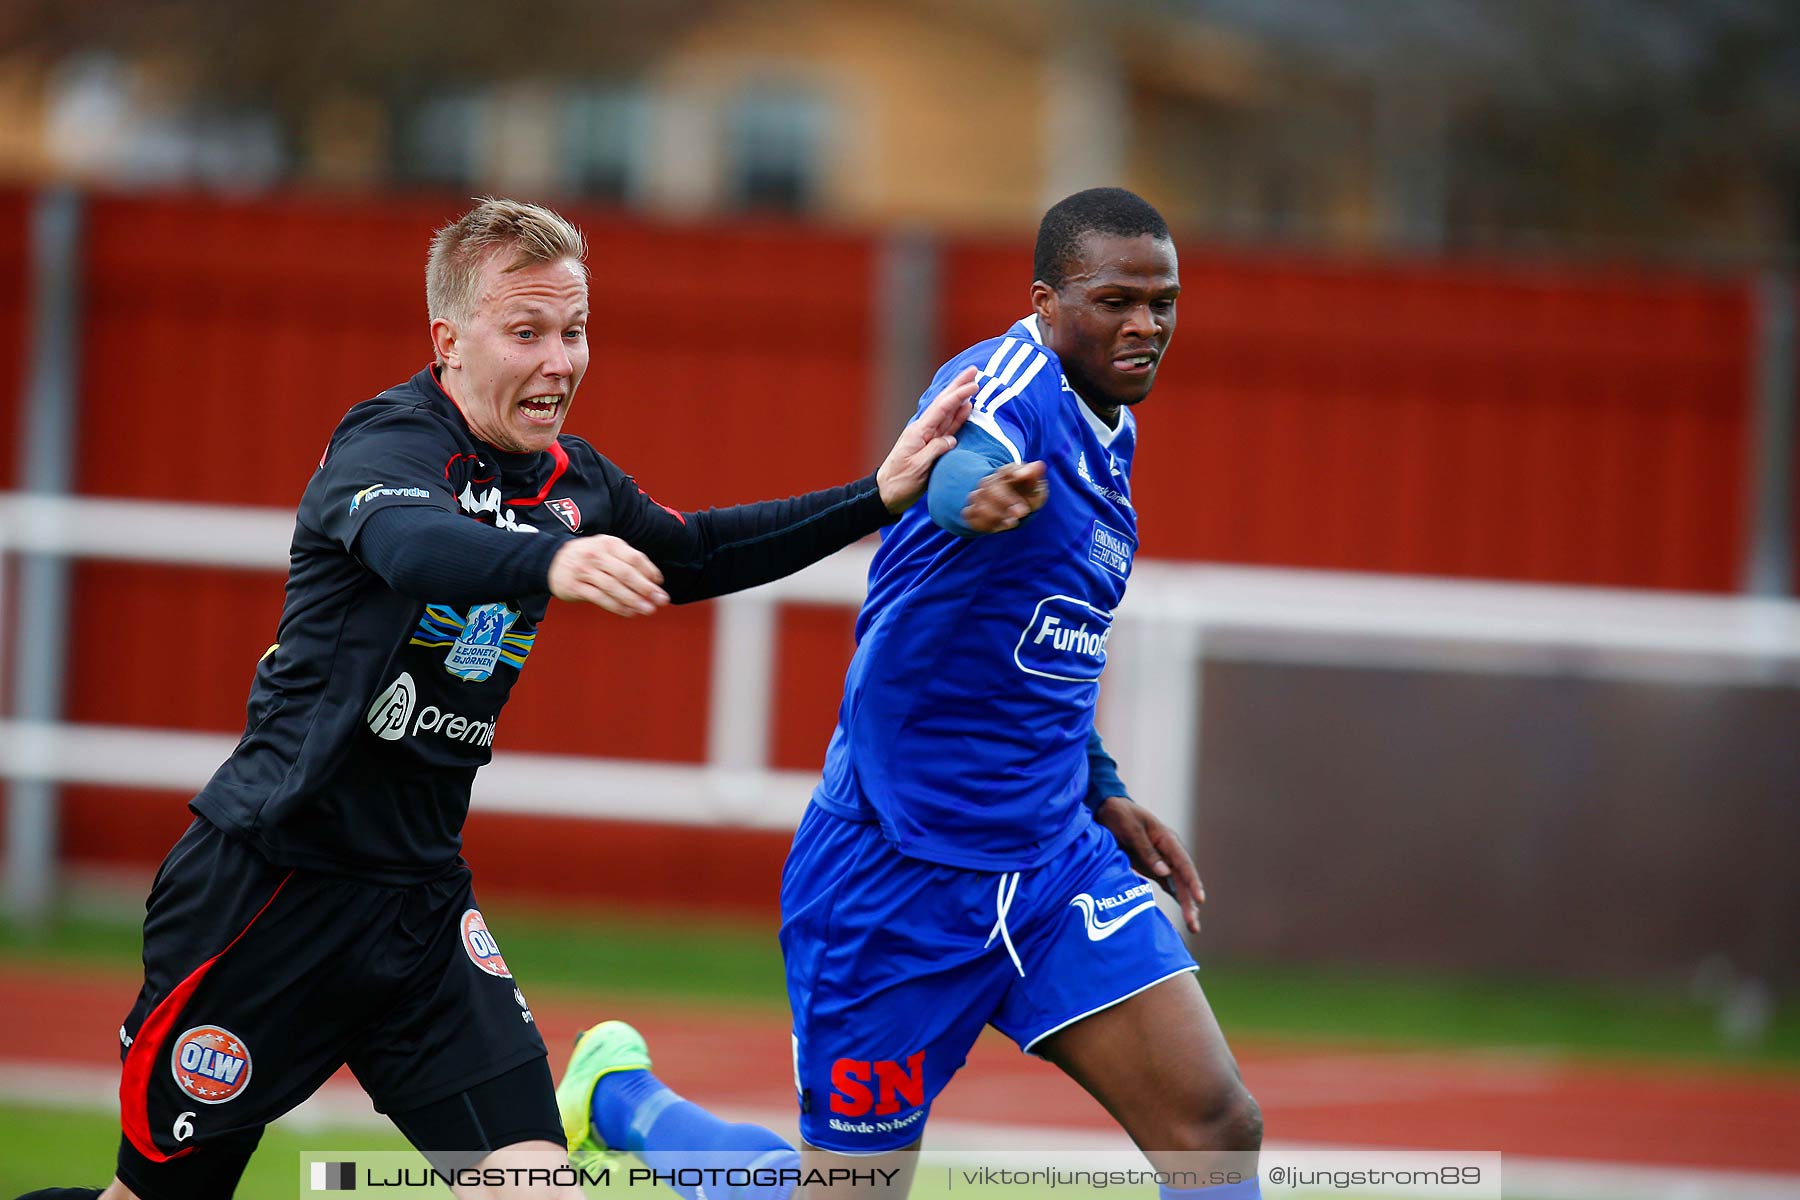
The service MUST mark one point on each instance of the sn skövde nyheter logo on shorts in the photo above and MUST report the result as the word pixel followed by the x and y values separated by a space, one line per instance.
pixel 1106 916
pixel 1065 639
pixel 210 1064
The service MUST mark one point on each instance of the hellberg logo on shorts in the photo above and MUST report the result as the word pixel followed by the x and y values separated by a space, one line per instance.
pixel 483 950
pixel 393 709
pixel 210 1064
pixel 1065 639
pixel 1104 917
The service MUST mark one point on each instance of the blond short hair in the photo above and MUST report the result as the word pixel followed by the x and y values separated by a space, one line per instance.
pixel 533 234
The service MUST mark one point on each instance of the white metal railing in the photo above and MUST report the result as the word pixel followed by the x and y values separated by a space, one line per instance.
pixel 1175 615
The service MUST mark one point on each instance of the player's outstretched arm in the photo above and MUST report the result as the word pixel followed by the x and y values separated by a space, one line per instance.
pixel 609 573
pixel 1155 853
pixel 434 554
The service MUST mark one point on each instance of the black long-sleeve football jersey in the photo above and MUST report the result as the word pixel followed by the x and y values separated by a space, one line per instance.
pixel 396 653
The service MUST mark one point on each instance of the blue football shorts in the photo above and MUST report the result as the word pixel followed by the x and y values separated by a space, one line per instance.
pixel 894 965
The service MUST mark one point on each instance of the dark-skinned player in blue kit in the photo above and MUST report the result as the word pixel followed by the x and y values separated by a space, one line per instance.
pixel 970 857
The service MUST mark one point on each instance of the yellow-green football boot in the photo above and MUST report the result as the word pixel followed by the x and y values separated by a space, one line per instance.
pixel 607 1047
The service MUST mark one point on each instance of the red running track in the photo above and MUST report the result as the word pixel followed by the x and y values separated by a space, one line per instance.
pixel 1668 1115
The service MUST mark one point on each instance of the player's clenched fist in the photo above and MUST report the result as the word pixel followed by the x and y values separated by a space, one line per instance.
pixel 607 572
pixel 1006 497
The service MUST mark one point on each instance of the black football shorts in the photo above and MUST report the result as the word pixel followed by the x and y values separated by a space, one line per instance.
pixel 259 982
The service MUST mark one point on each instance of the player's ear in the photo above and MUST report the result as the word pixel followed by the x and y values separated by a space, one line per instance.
pixel 445 342
pixel 1043 302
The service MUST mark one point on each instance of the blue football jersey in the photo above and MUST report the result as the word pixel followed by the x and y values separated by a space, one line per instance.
pixel 963 729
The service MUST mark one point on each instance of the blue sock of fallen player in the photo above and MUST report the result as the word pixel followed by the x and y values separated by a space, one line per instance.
pixel 1249 1189
pixel 636 1111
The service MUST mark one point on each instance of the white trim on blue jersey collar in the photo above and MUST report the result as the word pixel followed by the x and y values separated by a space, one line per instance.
pixel 1106 433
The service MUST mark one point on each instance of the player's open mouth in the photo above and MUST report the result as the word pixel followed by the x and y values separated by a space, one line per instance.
pixel 541 408
pixel 1135 364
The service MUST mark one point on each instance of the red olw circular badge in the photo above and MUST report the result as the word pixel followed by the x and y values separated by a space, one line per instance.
pixel 210 1064
pixel 483 950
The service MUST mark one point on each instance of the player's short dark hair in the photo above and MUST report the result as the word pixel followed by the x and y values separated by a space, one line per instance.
pixel 1107 210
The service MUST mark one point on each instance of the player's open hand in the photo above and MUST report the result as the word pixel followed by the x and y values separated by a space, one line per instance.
pixel 1155 853
pixel 1006 497
pixel 607 572
pixel 929 437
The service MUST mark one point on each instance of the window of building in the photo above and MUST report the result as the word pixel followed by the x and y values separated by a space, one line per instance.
pixel 440 142
pixel 775 150
pixel 604 134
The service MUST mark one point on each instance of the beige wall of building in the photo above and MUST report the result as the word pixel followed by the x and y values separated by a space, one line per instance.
pixel 957 114
pixel 936 119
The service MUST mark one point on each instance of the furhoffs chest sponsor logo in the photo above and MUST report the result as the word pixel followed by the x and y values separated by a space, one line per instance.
pixel 1065 639
pixel 210 1064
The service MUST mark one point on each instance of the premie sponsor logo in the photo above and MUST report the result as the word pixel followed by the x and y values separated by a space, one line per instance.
pixel 1065 639
pixel 392 717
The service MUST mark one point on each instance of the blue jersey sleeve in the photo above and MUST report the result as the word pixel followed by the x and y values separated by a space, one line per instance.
pixel 1015 384
pixel 960 472
pixel 1103 774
